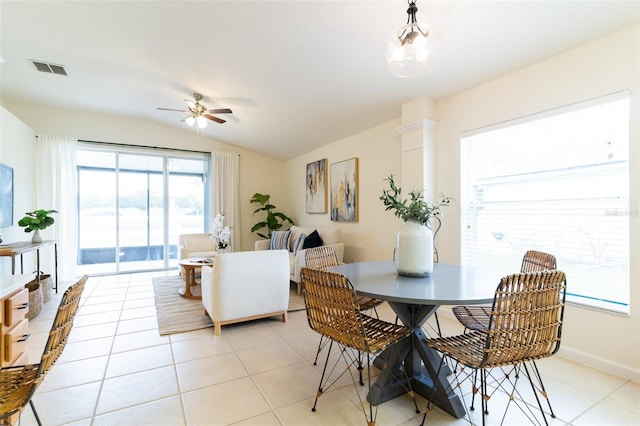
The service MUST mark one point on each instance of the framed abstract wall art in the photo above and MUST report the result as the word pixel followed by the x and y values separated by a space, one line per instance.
pixel 344 191
pixel 316 186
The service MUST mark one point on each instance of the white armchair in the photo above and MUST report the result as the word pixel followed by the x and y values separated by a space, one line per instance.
pixel 195 245
pixel 246 285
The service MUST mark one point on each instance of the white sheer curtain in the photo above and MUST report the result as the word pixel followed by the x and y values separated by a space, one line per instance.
pixel 225 188
pixel 56 188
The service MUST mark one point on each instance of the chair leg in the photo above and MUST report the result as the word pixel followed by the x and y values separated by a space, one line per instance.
pixel 321 344
pixel 360 368
pixel 35 413
pixel 542 388
pixel 474 390
pixel 430 404
pixel 324 370
pixel 484 394
pixel 533 388
pixel 435 315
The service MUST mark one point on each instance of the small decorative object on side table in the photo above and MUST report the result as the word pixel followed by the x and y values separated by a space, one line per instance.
pixel 220 234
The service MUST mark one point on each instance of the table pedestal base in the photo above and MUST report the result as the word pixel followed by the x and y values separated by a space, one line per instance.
pixel 419 361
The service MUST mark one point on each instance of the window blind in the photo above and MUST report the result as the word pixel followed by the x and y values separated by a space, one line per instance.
pixel 556 182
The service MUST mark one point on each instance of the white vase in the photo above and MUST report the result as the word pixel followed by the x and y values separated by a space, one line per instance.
pixel 414 250
pixel 37 238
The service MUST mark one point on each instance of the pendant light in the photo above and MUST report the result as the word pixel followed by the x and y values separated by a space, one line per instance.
pixel 414 49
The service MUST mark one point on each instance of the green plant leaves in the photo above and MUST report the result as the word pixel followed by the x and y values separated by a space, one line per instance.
pixel 417 208
pixel 37 219
pixel 274 220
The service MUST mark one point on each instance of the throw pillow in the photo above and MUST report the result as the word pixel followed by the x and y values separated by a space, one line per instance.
pixel 312 240
pixel 298 243
pixel 280 240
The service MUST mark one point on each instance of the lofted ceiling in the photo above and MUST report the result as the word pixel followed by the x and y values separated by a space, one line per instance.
pixel 297 74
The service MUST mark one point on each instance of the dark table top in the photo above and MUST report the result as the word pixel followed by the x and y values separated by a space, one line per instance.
pixel 448 284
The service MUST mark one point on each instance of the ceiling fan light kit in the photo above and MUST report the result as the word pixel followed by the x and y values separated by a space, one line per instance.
pixel 414 49
pixel 198 113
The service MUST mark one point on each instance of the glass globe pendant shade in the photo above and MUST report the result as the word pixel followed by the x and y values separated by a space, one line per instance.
pixel 413 50
pixel 202 121
pixel 190 120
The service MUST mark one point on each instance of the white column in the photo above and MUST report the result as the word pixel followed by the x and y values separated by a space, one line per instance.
pixel 417 146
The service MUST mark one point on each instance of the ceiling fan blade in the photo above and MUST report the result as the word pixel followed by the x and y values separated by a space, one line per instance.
pixel 216 119
pixel 171 109
pixel 220 111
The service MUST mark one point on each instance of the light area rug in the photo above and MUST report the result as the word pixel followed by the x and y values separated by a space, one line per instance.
pixel 177 314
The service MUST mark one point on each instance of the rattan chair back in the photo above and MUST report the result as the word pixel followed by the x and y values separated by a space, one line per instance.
pixel 538 261
pixel 331 307
pixel 321 257
pixel 526 318
pixel 62 324
pixel 333 311
pixel 525 323
pixel 476 317
pixel 19 383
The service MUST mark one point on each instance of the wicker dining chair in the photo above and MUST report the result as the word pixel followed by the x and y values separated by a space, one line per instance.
pixel 525 324
pixel 19 383
pixel 476 317
pixel 333 311
pixel 325 257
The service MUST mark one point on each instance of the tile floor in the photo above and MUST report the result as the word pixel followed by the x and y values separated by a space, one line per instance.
pixel 117 370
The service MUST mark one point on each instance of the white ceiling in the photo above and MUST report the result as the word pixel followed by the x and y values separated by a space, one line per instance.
pixel 297 74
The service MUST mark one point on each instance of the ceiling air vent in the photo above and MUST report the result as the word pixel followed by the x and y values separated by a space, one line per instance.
pixel 49 68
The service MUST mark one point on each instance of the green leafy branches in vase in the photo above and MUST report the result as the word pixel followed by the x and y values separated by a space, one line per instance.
pixel 36 221
pixel 414 251
pixel 415 207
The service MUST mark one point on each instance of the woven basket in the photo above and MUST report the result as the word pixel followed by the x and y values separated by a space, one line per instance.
pixel 35 298
pixel 46 285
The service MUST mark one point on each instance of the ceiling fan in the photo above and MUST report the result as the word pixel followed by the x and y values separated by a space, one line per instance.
pixel 198 113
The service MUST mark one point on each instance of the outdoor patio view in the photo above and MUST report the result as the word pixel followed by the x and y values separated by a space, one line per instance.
pixel 132 207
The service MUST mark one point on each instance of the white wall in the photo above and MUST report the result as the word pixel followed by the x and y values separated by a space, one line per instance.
pixel 17 147
pixel 258 173
pixel 607 65
pixel 372 237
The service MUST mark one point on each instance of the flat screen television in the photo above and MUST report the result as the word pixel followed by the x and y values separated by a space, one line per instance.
pixel 6 196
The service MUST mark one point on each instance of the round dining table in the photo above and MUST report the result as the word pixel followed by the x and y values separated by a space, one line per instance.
pixel 414 300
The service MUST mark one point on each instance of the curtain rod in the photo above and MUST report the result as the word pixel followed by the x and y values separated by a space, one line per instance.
pixel 143 146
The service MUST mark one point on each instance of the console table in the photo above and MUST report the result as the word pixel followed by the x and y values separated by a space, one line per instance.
pixel 19 248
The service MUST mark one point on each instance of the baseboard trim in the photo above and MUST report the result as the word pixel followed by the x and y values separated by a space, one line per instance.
pixel 599 363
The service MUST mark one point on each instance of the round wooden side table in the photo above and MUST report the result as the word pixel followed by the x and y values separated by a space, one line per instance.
pixel 189 265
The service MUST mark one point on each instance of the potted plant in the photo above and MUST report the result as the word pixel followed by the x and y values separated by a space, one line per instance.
pixel 35 221
pixel 414 243
pixel 274 220
pixel 220 234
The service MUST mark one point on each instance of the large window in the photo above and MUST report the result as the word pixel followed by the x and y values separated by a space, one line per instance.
pixel 556 182
pixel 133 204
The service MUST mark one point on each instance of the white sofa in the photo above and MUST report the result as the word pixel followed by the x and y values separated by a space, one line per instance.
pixel 330 237
pixel 195 245
pixel 246 285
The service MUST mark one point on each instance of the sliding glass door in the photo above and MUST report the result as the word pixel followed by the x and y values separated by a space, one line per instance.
pixel 134 205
